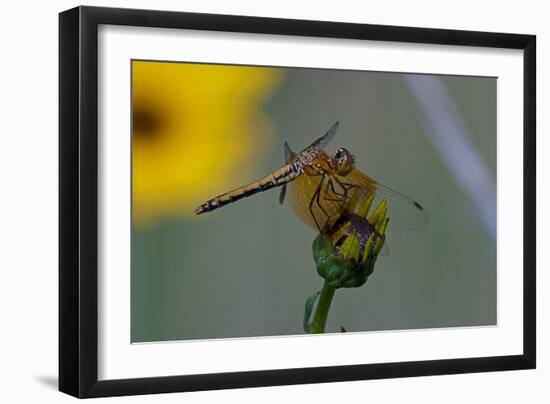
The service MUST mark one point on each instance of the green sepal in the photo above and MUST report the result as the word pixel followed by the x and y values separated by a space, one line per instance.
pixel 310 302
pixel 368 268
pixel 354 280
pixel 322 248
pixel 335 268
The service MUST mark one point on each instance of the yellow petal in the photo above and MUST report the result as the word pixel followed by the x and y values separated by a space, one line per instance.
pixel 368 249
pixel 364 205
pixel 350 247
pixel 381 229
pixel 380 209
pixel 340 232
pixel 379 244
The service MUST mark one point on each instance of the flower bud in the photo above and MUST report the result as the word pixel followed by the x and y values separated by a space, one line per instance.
pixel 346 252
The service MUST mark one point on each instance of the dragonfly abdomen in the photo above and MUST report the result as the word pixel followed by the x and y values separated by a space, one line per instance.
pixel 278 177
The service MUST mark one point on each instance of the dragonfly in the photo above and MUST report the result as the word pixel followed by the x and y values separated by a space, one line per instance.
pixel 319 185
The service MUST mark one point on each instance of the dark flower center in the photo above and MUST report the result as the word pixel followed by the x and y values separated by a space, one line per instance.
pixel 145 123
pixel 359 225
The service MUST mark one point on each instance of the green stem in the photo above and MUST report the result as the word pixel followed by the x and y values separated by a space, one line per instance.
pixel 323 306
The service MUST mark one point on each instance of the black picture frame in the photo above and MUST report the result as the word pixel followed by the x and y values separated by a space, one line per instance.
pixel 78 201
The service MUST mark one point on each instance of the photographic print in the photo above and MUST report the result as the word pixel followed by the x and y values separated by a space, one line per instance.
pixel 272 201
pixel 249 201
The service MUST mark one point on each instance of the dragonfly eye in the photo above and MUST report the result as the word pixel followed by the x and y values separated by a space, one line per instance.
pixel 344 162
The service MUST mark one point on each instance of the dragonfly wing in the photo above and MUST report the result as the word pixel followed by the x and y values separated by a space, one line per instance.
pixel 289 154
pixel 282 194
pixel 302 191
pixel 324 140
pixel 403 211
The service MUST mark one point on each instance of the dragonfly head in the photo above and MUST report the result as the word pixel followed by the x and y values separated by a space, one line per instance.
pixel 344 162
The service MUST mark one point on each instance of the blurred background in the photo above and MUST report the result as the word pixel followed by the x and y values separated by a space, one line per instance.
pixel 247 269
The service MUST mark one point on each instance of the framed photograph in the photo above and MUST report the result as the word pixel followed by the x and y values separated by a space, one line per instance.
pixel 251 201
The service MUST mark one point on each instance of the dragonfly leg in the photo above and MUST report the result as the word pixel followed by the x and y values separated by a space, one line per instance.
pixel 317 198
pixel 317 191
pixel 333 189
pixel 321 206
pixel 341 199
pixel 345 186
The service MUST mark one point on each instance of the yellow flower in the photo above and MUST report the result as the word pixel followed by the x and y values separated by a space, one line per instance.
pixel 193 126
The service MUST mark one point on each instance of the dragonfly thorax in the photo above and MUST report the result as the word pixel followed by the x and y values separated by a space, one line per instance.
pixel 316 162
